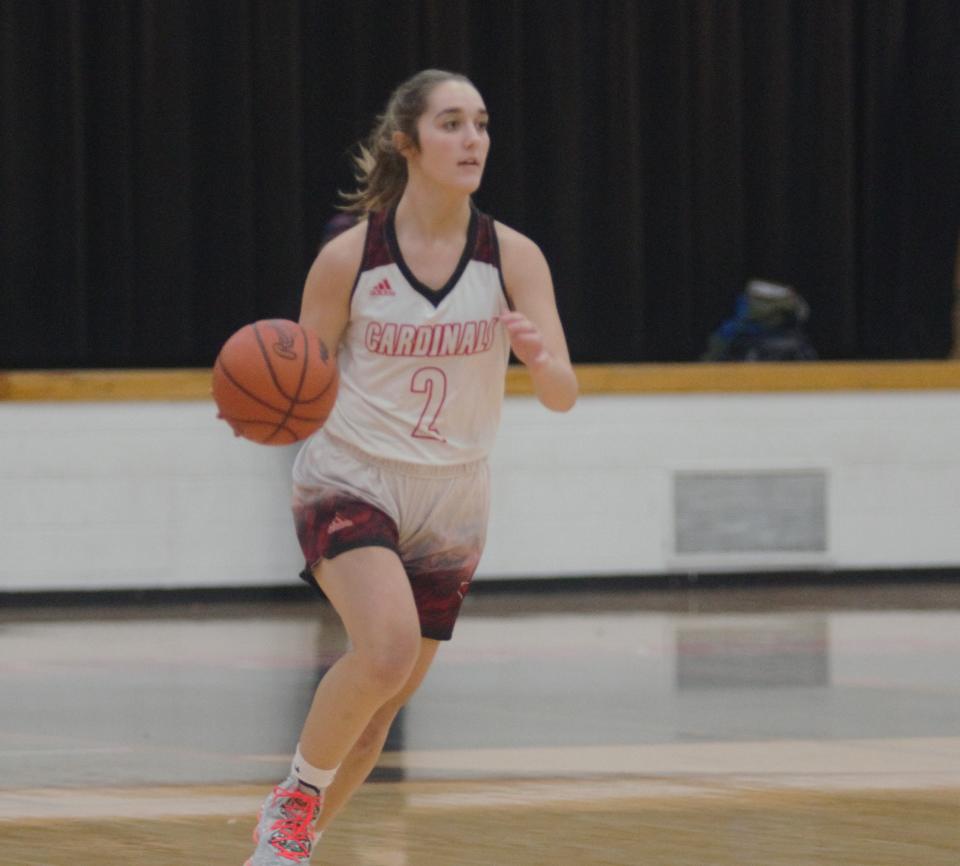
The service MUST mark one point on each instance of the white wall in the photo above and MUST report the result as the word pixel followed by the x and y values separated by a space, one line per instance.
pixel 143 495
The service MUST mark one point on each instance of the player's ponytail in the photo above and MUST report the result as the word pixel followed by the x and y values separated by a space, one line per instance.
pixel 379 168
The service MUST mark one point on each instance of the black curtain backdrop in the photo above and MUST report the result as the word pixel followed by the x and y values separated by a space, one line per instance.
pixel 168 165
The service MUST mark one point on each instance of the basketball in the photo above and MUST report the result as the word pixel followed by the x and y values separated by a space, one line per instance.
pixel 274 382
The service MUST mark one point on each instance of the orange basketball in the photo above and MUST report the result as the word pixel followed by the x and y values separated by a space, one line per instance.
pixel 274 382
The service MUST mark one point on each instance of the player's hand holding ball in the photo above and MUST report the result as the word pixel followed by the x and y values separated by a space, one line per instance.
pixel 274 382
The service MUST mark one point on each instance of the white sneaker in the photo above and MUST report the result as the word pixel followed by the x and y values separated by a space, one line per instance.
pixel 286 826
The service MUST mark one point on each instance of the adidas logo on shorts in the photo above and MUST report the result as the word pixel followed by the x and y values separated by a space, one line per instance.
pixel 338 523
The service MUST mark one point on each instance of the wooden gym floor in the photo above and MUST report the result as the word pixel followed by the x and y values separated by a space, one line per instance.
pixel 781 725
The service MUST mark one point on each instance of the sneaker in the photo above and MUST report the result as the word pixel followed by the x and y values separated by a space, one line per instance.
pixel 285 828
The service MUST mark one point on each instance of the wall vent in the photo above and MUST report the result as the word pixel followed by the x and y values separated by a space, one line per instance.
pixel 750 512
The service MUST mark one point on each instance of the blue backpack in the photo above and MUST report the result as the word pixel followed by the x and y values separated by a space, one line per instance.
pixel 767 325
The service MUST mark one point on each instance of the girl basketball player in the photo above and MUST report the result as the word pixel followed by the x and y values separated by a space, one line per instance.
pixel 423 299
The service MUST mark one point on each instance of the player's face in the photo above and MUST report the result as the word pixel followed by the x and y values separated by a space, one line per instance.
pixel 453 137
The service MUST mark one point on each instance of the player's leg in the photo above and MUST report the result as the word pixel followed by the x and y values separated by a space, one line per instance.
pixel 439 558
pixel 369 589
pixel 366 750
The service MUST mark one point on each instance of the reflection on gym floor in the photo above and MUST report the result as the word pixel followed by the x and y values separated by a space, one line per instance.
pixel 782 724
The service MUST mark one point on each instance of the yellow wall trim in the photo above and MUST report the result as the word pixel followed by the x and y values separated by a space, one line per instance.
pixel 194 384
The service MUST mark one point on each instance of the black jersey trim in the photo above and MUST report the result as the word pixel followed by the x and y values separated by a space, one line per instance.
pixel 363 262
pixel 434 296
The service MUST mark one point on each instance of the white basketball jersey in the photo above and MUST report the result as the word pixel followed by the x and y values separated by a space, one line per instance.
pixel 422 372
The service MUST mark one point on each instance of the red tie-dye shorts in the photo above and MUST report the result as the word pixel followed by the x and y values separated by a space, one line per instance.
pixel 433 517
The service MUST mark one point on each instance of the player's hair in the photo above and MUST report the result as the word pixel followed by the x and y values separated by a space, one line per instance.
pixel 379 168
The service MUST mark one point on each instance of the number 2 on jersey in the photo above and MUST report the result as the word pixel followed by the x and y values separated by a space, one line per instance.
pixel 431 381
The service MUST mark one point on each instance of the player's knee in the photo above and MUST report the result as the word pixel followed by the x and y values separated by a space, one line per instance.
pixel 389 659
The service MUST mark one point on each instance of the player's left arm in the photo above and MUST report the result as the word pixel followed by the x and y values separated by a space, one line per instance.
pixel 534 327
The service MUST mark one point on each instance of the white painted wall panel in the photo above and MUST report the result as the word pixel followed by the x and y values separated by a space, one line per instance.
pixel 140 495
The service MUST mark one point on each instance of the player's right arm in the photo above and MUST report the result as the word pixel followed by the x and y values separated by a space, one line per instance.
pixel 326 294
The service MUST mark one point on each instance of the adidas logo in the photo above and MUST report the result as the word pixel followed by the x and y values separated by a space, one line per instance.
pixel 338 523
pixel 382 289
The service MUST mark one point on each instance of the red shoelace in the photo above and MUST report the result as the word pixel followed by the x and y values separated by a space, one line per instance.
pixel 292 835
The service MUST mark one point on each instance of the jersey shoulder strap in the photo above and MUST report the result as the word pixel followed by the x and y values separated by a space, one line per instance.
pixel 376 248
pixel 485 248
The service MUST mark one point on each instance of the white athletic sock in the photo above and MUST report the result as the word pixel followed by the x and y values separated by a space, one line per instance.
pixel 309 775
